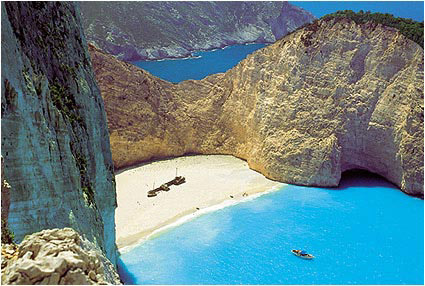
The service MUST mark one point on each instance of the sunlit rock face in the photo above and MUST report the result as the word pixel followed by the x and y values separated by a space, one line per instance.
pixel 55 140
pixel 327 98
pixel 154 30
pixel 56 256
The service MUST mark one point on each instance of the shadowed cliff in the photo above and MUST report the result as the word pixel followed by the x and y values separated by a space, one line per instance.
pixel 55 140
pixel 330 97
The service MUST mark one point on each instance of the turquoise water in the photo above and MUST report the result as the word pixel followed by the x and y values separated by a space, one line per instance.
pixel 364 232
pixel 209 62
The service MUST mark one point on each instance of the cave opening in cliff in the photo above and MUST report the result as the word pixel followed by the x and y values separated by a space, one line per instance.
pixel 363 178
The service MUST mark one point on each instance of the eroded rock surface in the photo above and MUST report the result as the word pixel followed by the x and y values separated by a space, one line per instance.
pixel 327 98
pixel 57 256
pixel 55 140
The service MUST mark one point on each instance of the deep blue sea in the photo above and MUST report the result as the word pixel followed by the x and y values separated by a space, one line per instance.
pixel 206 63
pixel 364 232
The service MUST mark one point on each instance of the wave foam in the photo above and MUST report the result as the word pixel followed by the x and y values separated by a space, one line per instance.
pixel 189 217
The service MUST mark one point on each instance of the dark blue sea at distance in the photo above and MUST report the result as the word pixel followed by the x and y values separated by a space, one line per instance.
pixel 221 60
pixel 207 63
pixel 405 9
pixel 364 232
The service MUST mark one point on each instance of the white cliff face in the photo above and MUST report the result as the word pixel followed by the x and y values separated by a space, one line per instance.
pixel 55 140
pixel 57 256
pixel 330 97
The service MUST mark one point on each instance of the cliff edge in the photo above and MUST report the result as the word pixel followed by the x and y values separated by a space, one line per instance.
pixel 55 140
pixel 330 97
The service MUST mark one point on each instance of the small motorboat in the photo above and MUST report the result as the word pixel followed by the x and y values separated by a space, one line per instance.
pixel 302 254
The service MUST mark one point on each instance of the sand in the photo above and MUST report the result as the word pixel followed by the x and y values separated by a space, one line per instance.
pixel 211 180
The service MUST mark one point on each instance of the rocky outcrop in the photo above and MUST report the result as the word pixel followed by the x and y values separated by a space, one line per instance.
pixel 55 140
pixel 57 256
pixel 5 195
pixel 6 235
pixel 155 30
pixel 330 97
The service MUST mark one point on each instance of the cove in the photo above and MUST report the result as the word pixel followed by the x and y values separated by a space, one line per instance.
pixel 201 65
pixel 364 232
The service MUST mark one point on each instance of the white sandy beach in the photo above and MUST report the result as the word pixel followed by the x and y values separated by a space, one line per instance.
pixel 210 181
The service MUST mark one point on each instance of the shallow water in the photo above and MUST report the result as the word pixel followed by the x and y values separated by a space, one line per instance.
pixel 206 63
pixel 365 232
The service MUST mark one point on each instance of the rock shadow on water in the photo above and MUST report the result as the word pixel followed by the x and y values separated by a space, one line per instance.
pixel 126 276
pixel 362 178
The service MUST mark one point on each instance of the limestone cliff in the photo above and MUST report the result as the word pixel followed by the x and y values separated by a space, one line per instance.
pixel 154 30
pixel 330 97
pixel 55 140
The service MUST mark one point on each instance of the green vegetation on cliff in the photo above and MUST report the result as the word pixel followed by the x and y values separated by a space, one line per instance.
pixel 65 103
pixel 413 30
pixel 7 235
pixel 136 30
pixel 53 125
pixel 352 83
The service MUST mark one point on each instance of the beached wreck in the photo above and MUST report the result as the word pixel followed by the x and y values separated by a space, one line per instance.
pixel 178 180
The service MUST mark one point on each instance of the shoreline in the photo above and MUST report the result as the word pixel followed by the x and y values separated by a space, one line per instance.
pixel 183 218
pixel 139 218
pixel 192 56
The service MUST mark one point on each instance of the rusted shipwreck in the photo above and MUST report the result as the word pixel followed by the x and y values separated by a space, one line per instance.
pixel 178 180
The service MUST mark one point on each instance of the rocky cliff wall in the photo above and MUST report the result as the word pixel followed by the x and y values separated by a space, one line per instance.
pixel 55 140
pixel 327 98
pixel 154 30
